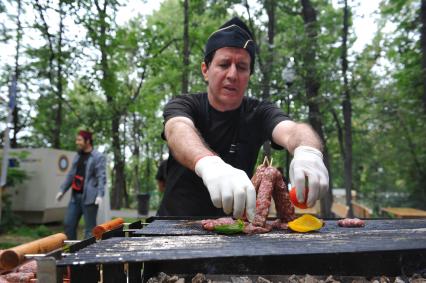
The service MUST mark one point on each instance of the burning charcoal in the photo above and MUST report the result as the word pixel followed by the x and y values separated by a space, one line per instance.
pixel 330 279
pixel 162 277
pixel 417 278
pixel 242 279
pixel 310 279
pixel 293 279
pixel 172 279
pixel 199 278
pixel 260 279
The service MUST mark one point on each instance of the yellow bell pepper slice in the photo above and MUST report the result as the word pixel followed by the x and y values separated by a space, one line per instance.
pixel 305 223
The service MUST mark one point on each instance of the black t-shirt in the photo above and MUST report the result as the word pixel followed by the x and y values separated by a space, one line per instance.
pixel 236 136
pixel 81 166
pixel 162 171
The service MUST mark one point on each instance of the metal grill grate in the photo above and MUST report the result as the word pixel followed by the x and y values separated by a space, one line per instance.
pixel 377 236
pixel 181 227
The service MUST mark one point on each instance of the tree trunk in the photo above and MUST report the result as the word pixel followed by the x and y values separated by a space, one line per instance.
pixel 312 86
pixel 54 139
pixel 136 154
pixel 107 81
pixel 59 81
pixel 185 73
pixel 266 67
pixel 347 111
pixel 423 48
pixel 16 126
pixel 148 167
pixel 119 164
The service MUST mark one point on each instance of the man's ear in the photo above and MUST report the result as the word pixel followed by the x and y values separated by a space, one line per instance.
pixel 204 70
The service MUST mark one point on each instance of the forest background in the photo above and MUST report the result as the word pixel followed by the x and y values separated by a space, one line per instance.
pixel 86 64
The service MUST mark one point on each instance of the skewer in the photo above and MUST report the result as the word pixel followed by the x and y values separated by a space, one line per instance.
pixel 71 241
pixel 266 161
pixel 28 256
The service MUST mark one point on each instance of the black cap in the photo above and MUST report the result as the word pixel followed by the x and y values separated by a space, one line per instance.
pixel 234 33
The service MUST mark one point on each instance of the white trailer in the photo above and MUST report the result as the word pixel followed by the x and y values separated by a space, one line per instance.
pixel 46 169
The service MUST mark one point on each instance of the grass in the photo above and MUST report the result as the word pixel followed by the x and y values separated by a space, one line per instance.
pixel 26 233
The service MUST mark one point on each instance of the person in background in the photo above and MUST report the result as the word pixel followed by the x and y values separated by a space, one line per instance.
pixel 87 179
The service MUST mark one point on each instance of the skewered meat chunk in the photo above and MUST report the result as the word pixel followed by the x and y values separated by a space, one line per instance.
pixel 29 267
pixel 284 207
pixel 209 224
pixel 268 183
pixel 263 199
pixel 253 229
pixel 18 277
pixel 351 222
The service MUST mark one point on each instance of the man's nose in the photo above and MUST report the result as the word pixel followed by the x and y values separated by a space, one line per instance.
pixel 232 72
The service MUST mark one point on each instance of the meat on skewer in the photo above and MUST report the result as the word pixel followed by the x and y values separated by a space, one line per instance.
pixel 351 222
pixel 283 205
pixel 268 183
pixel 263 199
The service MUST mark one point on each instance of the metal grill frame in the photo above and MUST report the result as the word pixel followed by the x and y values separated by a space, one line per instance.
pixel 393 263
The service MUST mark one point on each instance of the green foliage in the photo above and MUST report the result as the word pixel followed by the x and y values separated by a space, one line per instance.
pixel 33 232
pixel 144 66
pixel 15 176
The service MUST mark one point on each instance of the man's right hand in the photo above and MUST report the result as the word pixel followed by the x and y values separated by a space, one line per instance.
pixel 229 187
pixel 59 196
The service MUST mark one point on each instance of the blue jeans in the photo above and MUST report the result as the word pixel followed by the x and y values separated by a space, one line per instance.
pixel 76 208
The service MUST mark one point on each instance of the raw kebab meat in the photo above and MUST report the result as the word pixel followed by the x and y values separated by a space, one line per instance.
pixel 268 182
pixel 351 222
pixel 25 273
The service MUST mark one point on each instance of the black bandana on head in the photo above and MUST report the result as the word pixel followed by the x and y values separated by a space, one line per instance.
pixel 233 33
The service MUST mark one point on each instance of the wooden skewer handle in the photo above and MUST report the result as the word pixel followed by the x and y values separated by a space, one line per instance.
pixel 107 226
pixel 13 257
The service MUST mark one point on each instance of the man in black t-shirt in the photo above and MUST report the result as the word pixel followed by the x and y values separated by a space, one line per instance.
pixel 161 176
pixel 215 137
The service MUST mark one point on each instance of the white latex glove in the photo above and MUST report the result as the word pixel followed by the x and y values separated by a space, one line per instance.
pixel 307 161
pixel 229 187
pixel 59 196
pixel 98 200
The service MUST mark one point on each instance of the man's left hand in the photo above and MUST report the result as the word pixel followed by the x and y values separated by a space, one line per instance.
pixel 98 201
pixel 308 161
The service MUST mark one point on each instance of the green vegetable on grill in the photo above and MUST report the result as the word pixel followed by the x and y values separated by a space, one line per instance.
pixel 230 229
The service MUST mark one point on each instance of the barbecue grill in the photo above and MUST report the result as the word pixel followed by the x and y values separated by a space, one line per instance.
pixel 391 247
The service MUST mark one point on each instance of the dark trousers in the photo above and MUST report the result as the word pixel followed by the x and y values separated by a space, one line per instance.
pixel 76 208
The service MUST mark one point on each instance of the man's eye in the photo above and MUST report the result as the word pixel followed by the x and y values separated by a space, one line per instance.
pixel 243 67
pixel 223 65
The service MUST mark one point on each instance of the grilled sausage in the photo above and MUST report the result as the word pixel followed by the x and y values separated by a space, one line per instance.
pixel 283 205
pixel 263 200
